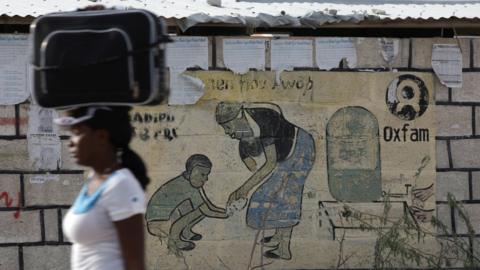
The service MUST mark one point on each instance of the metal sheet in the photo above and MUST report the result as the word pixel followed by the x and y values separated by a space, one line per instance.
pixel 263 13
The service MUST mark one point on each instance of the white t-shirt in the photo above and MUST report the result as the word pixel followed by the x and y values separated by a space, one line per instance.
pixel 91 229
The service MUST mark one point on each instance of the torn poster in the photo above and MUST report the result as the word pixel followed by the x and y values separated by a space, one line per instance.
pixel 13 69
pixel 183 53
pixel 389 49
pixel 286 54
pixel 184 89
pixel 188 52
pixel 44 146
pixel 242 54
pixel 447 64
pixel 335 52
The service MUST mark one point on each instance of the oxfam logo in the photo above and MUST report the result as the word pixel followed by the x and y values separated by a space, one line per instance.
pixel 407 97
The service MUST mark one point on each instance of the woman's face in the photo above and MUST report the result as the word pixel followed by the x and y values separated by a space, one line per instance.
pixel 238 128
pixel 85 144
pixel 199 176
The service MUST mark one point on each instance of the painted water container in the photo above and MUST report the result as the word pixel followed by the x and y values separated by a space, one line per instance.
pixel 353 155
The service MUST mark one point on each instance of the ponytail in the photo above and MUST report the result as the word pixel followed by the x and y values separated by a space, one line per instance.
pixel 133 162
pixel 116 121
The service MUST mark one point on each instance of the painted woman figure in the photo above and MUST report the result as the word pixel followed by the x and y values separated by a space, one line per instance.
pixel 289 153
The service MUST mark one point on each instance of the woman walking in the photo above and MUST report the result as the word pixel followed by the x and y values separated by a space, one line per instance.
pixel 105 223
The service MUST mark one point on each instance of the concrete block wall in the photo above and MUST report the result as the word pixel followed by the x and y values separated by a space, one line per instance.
pixel 31 213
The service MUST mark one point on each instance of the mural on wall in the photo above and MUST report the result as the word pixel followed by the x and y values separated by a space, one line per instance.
pixel 178 205
pixel 285 159
pixel 289 153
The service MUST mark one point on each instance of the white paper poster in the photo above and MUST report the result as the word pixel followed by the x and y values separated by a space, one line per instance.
pixel 44 146
pixel 183 53
pixel 242 54
pixel 389 49
pixel 331 51
pixel 286 54
pixel 184 89
pixel 447 64
pixel 187 52
pixel 13 69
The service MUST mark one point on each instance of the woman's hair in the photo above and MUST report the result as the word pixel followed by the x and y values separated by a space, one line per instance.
pixel 197 160
pixel 116 121
pixel 227 111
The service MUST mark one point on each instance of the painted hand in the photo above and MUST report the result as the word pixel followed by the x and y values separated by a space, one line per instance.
pixel 237 195
pixel 422 215
pixel 423 193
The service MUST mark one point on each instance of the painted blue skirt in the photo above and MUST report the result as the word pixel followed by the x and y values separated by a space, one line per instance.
pixel 277 203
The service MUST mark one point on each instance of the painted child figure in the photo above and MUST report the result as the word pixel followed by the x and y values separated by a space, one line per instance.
pixel 181 203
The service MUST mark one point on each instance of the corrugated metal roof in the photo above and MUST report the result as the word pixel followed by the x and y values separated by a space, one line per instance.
pixel 266 13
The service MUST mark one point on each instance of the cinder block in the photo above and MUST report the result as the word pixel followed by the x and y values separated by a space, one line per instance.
pixel 444 217
pixel 477 120
pixel 14 155
pixel 442 154
pixel 46 192
pixel 469 92
pixel 465 153
pixel 455 183
pixel 476 52
pixel 369 53
pixel 422 50
pixel 20 229
pixel 24 118
pixel 50 217
pixel 455 253
pixel 7 120
pixel 219 50
pixel 64 213
pixel 472 215
pixel 9 258
pixel 9 190
pixel 441 91
pixel 454 120
pixel 476 185
pixel 46 257
pixel 476 250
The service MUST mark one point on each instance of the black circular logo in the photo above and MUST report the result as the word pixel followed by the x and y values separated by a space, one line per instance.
pixel 407 97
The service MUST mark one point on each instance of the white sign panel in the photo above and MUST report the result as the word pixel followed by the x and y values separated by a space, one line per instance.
pixel 13 69
pixel 447 64
pixel 240 55
pixel 330 52
pixel 44 146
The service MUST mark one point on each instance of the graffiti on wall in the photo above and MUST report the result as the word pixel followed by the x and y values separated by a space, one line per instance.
pixel 152 126
pixel 8 200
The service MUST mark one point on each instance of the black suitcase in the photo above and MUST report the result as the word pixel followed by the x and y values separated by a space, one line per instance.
pixel 103 57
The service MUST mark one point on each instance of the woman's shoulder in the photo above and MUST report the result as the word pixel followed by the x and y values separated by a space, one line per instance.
pixel 123 179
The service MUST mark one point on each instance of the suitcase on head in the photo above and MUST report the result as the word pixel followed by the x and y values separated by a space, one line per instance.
pixel 101 57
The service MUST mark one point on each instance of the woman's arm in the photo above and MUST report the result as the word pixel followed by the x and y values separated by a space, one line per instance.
pixel 250 163
pixel 132 243
pixel 259 176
